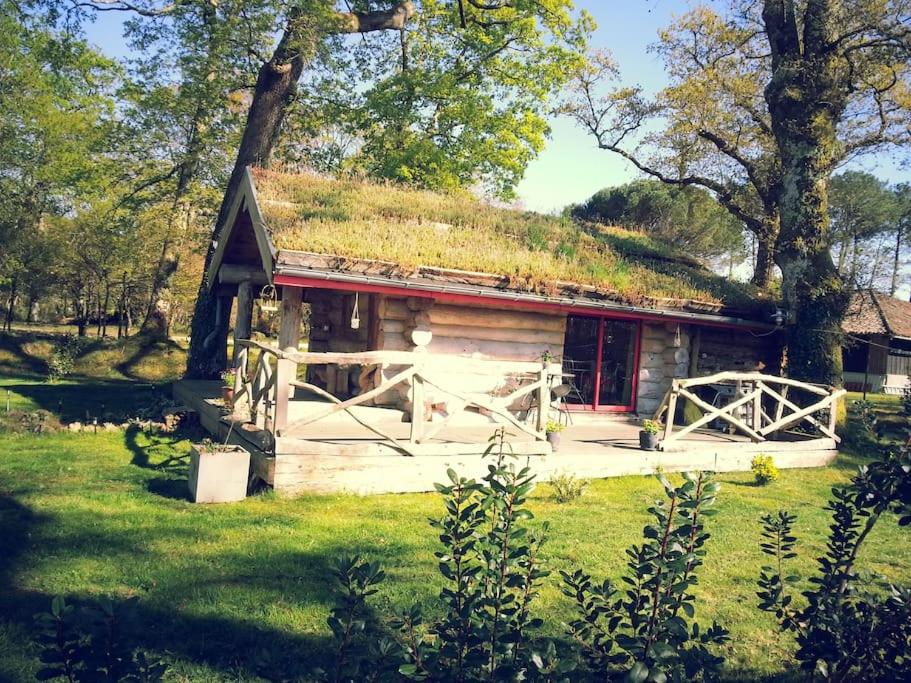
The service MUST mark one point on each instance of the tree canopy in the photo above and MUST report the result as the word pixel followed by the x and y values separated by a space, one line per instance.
pixel 687 217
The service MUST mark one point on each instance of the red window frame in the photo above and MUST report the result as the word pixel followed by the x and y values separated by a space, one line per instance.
pixel 637 344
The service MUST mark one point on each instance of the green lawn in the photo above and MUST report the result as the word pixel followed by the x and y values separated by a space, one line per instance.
pixel 227 592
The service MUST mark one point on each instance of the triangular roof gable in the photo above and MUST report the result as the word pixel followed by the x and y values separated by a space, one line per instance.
pixel 244 201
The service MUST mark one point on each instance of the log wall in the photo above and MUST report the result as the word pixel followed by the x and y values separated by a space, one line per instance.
pixel 448 330
pixel 662 358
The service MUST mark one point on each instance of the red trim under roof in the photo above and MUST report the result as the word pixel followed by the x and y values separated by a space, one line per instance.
pixel 469 299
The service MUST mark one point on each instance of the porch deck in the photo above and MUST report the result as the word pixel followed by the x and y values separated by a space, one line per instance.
pixel 337 454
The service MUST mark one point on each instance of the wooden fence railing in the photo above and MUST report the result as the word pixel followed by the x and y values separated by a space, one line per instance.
pixel 759 406
pixel 260 390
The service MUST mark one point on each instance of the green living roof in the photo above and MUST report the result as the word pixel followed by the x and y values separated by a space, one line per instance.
pixel 536 253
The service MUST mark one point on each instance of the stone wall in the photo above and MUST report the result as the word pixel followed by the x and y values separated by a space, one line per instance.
pixel 662 358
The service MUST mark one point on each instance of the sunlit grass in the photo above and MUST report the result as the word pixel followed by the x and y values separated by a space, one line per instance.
pixel 89 515
pixel 412 228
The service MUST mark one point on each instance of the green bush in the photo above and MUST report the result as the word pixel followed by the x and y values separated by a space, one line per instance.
pixel 764 469
pixel 63 357
pixel 86 643
pixel 647 630
pixel 847 627
pixel 567 487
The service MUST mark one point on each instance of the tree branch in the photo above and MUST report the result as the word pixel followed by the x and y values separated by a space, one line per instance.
pixel 731 152
pixel 378 20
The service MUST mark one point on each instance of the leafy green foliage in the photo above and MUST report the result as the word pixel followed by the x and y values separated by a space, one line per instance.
pixel 63 356
pixel 457 99
pixel 650 426
pixel 86 644
pixel 567 487
pixel 647 629
pixel 852 626
pixel 493 567
pixel 356 656
pixel 688 217
pixel 764 470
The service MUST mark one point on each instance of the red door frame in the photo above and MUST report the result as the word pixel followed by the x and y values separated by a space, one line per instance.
pixel 637 344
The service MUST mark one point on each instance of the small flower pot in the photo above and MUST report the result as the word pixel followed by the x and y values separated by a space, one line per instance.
pixel 218 474
pixel 648 442
pixel 553 438
pixel 227 393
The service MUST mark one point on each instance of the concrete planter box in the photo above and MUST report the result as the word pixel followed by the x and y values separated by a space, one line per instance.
pixel 218 476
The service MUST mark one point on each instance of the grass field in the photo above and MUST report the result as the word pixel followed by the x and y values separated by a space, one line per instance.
pixel 240 591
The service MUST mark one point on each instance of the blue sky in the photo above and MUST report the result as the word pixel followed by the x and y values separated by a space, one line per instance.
pixel 571 168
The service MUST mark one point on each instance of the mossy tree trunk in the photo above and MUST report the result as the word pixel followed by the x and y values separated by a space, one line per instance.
pixel 276 87
pixel 806 101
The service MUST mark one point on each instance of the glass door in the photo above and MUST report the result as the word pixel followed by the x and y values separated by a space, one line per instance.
pixel 599 359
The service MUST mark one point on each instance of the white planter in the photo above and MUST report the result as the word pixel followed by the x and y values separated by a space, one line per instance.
pixel 218 476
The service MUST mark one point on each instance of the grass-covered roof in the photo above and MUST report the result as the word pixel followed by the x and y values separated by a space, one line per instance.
pixel 413 228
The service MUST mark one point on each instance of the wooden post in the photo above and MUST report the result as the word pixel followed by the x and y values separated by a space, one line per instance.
pixel 243 325
pixel 543 399
pixel 417 408
pixel 757 406
pixel 671 411
pixel 288 339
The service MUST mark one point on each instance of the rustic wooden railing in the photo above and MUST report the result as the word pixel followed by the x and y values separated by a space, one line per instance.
pixel 253 391
pixel 263 388
pixel 746 412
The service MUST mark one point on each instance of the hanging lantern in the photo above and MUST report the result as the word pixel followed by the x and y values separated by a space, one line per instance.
pixel 677 340
pixel 268 302
pixel 355 314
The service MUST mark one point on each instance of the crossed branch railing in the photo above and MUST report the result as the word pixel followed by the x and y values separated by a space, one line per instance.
pixel 258 390
pixel 760 406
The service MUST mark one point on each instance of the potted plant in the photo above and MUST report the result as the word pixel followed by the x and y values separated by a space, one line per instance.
pixel 648 435
pixel 219 472
pixel 227 386
pixel 552 430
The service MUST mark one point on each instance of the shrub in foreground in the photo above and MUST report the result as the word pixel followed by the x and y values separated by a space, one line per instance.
pixel 764 470
pixel 647 629
pixel 852 627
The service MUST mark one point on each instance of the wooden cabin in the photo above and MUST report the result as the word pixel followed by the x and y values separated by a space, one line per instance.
pixel 876 355
pixel 429 306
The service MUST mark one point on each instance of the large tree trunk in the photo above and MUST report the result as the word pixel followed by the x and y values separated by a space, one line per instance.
pixel 276 86
pixel 896 261
pixel 806 101
pixel 157 323
pixel 765 253
pixel 11 304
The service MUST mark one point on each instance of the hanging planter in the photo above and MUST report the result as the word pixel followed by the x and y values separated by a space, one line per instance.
pixel 268 302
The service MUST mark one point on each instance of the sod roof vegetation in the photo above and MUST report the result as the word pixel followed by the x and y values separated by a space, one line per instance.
pixel 537 253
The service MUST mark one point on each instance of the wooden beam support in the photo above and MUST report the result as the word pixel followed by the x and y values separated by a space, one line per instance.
pixel 243 324
pixel 288 339
pixel 232 273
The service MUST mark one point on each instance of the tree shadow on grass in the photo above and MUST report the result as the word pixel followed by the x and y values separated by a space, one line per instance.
pixel 159 452
pixel 184 621
pixel 92 399
pixel 145 348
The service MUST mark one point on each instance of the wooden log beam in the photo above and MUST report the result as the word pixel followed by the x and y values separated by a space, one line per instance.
pixel 233 273
pixel 288 340
pixel 243 323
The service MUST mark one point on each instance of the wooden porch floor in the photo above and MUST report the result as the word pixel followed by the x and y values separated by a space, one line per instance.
pixel 337 454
